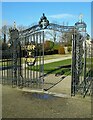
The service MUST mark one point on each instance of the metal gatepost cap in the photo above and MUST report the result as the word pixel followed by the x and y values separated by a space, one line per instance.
pixel 80 23
pixel 14 33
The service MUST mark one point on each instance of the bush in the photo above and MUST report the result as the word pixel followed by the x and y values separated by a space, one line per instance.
pixel 48 45
pixel 55 51
pixel 69 49
pixel 50 52
pixel 61 50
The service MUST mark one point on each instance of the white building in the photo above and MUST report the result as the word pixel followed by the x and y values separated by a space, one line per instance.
pixel 89 45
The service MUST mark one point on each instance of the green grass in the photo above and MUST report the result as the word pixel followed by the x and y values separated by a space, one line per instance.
pixel 53 67
pixel 46 57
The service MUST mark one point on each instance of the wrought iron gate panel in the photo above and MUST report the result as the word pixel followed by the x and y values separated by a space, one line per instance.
pixel 6 65
pixel 11 61
pixel 33 66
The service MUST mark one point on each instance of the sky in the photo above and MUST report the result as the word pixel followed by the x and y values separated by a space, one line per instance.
pixel 28 13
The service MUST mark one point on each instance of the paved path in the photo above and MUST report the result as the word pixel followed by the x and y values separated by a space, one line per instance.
pixel 62 88
pixel 53 60
pixel 57 59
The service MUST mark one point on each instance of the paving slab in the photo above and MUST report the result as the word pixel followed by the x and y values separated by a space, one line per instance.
pixel 61 86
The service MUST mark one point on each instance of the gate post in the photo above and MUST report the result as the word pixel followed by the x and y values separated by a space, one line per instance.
pixel 78 54
pixel 73 77
pixel 14 35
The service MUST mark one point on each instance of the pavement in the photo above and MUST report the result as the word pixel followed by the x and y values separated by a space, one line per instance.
pixel 55 86
pixel 21 104
pixel 57 59
pixel 62 88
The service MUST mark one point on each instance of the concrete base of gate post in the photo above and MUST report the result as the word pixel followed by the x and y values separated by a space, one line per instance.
pixel 45 92
pixel 33 90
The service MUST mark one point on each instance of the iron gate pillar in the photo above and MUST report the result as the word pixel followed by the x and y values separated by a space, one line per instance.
pixel 78 54
pixel 14 35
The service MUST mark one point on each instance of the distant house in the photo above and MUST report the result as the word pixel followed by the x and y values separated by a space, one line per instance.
pixel 89 45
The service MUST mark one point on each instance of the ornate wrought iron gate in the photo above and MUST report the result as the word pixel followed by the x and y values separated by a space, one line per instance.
pixel 23 62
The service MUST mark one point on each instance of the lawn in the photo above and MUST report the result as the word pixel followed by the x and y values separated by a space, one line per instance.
pixel 54 67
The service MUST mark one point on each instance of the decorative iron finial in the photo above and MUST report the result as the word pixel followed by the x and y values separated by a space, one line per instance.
pixel 80 17
pixel 43 14
pixel 43 23
pixel 14 25
pixel 63 23
pixel 67 23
